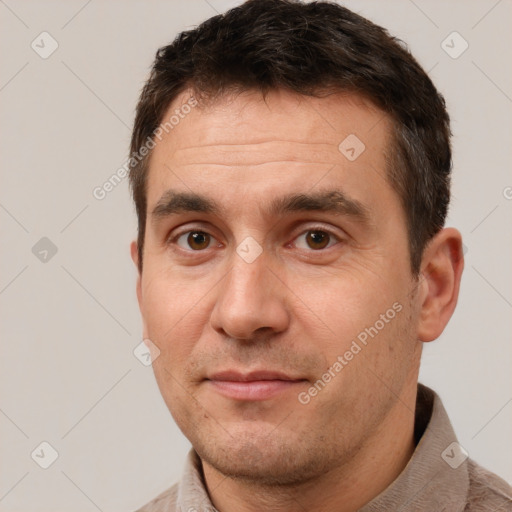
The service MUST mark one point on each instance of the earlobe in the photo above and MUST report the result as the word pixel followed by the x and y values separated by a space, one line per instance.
pixel 442 266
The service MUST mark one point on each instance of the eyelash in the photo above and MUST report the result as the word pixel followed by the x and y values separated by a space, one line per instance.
pixel 312 229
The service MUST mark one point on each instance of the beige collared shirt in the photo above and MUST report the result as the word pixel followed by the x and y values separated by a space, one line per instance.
pixel 438 478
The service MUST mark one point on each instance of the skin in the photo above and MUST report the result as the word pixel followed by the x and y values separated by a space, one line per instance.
pixel 297 307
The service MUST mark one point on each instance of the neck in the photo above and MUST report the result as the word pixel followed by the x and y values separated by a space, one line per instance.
pixel 346 487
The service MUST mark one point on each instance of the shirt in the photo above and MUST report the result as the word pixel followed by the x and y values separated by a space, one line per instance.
pixel 439 477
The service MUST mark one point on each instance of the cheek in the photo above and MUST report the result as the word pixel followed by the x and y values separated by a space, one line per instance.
pixel 367 323
pixel 173 314
pixel 369 374
pixel 346 302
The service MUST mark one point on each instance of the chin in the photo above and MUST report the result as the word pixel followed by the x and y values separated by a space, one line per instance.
pixel 265 460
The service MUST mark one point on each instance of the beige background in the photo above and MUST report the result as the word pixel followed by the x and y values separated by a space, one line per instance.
pixel 70 324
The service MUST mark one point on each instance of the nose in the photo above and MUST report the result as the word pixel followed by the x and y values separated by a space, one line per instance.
pixel 250 301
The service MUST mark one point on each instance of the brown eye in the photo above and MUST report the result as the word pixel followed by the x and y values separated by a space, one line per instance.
pixel 195 240
pixel 198 240
pixel 317 239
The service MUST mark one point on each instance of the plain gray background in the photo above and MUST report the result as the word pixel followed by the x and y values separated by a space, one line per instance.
pixel 70 322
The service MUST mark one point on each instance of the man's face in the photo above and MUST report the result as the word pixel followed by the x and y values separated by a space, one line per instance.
pixel 283 251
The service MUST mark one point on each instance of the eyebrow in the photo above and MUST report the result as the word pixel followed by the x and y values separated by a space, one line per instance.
pixel 329 201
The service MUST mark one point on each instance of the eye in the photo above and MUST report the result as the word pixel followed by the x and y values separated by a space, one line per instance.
pixel 195 240
pixel 316 239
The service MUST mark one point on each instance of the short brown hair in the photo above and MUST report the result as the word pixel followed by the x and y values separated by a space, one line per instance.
pixel 311 49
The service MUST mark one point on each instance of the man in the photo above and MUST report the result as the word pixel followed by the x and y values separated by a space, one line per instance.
pixel 290 170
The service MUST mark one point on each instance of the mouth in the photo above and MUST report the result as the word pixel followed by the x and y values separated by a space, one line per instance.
pixel 253 386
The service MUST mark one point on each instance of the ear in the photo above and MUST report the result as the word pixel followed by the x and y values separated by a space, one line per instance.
pixel 134 250
pixel 441 271
pixel 135 258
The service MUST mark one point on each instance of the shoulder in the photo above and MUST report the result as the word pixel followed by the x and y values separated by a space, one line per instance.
pixel 164 502
pixel 487 490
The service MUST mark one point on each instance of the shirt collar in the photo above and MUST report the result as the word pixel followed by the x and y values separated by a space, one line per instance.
pixel 436 477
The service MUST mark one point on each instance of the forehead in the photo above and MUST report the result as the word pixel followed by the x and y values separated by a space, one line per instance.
pixel 281 140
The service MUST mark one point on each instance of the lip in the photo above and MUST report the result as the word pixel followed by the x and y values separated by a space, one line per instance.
pixel 253 386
